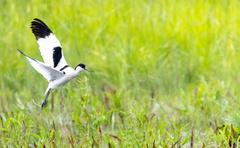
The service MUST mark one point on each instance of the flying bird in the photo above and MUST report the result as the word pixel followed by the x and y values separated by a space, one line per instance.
pixel 55 68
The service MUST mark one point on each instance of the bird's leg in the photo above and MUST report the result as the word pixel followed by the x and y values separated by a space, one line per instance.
pixel 45 99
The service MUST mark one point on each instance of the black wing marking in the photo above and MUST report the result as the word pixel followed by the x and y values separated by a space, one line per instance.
pixel 57 55
pixel 66 66
pixel 40 29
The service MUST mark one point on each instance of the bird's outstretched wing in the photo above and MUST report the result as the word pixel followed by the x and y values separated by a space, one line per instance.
pixel 49 45
pixel 49 73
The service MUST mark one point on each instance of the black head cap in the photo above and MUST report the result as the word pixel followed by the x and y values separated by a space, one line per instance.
pixel 81 65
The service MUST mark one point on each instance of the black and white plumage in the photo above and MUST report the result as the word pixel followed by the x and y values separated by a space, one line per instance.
pixel 55 68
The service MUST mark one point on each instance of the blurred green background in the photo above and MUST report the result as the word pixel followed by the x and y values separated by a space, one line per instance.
pixel 166 74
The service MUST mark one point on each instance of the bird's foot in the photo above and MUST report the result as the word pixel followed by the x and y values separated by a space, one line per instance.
pixel 44 103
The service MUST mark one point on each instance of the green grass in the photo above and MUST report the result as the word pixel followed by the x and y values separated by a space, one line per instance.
pixel 166 74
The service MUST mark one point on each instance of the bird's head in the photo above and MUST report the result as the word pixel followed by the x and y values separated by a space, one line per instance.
pixel 81 67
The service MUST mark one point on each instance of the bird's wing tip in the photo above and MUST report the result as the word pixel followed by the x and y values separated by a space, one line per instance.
pixel 20 51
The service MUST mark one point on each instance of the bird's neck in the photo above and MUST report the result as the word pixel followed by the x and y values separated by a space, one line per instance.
pixel 77 72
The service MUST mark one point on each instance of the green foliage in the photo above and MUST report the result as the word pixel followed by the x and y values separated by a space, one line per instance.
pixel 165 74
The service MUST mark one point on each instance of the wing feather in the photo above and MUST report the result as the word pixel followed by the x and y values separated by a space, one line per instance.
pixel 47 72
pixel 48 43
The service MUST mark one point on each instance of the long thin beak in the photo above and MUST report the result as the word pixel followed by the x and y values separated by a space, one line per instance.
pixel 87 70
